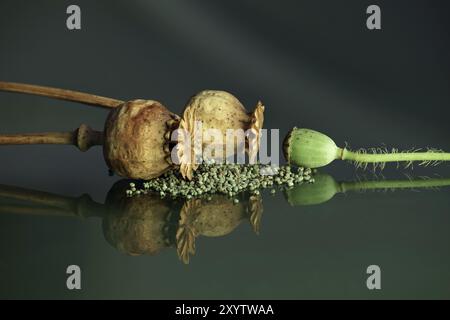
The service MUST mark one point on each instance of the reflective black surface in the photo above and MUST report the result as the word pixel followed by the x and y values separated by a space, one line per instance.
pixel 318 246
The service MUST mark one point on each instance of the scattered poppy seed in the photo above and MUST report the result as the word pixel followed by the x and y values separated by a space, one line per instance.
pixel 229 179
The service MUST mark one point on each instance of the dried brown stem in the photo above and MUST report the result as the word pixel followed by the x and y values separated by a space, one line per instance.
pixel 83 138
pixel 62 94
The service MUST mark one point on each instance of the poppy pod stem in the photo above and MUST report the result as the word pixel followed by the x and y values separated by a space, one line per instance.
pixel 61 94
pixel 309 148
pixel 427 157
pixel 83 138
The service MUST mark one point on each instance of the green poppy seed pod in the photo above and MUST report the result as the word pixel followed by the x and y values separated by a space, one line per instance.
pixel 322 190
pixel 309 148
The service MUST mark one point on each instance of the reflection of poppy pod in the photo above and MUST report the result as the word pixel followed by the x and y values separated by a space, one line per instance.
pixel 136 225
pixel 135 144
pixel 139 228
pixel 217 217
pixel 217 110
pixel 214 218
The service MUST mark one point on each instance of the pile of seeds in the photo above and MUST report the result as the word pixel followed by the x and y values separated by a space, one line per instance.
pixel 229 179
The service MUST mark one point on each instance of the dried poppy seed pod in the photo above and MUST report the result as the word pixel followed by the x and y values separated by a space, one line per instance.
pixel 135 143
pixel 217 110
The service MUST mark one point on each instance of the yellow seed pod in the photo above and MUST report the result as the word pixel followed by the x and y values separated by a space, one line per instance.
pixel 135 144
pixel 216 110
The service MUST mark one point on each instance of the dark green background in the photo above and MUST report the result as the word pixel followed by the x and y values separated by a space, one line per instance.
pixel 313 64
